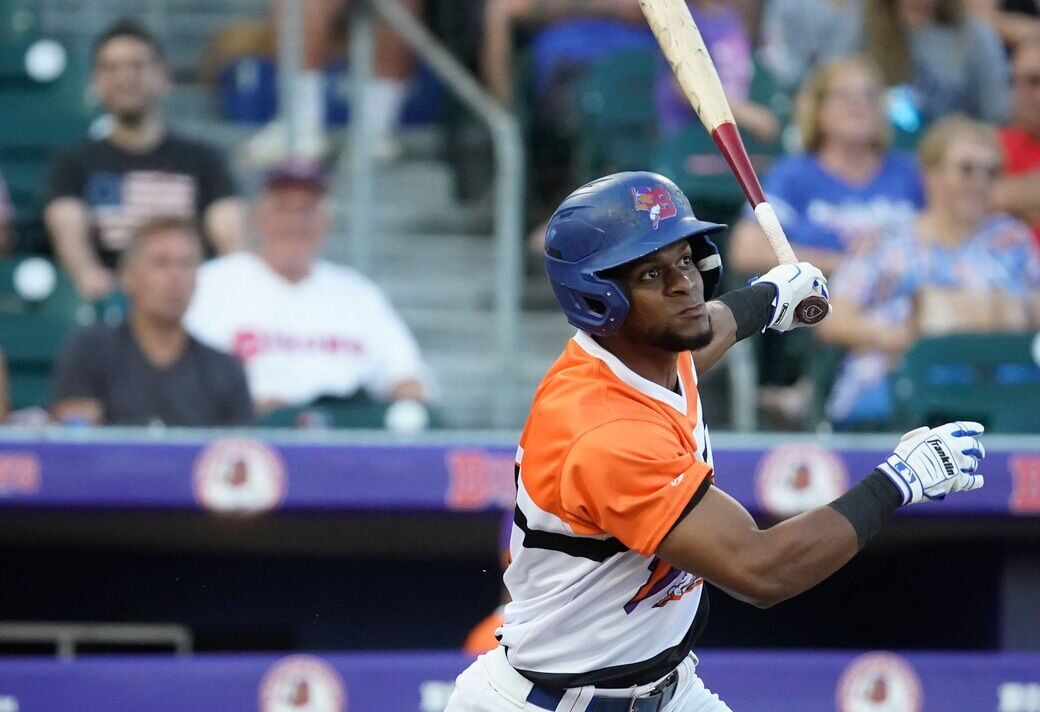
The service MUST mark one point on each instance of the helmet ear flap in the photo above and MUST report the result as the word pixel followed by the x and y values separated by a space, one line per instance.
pixel 597 305
pixel 709 263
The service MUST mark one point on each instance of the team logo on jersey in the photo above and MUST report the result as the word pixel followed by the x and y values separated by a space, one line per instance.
pixel 655 201
pixel 240 476
pixel 664 579
pixel 791 479
pixel 879 682
pixel 302 683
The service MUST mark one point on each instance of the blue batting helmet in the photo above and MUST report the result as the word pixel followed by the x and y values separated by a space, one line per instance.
pixel 612 221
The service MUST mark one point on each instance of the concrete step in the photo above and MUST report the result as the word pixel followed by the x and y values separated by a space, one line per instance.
pixel 413 288
pixel 390 248
pixel 450 329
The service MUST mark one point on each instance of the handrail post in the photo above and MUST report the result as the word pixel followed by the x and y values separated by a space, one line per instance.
pixel 362 193
pixel 509 182
pixel 290 50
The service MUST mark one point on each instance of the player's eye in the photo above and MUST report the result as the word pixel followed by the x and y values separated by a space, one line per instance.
pixel 686 261
pixel 650 275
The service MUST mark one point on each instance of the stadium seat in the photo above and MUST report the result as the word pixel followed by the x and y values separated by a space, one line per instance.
pixel 692 160
pixel 19 28
pixel 32 334
pixel 991 378
pixel 618 119
pixel 63 302
pixel 31 343
pixel 767 91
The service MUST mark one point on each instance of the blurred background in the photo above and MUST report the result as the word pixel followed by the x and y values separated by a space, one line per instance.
pixel 272 311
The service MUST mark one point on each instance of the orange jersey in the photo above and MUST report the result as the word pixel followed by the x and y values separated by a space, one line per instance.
pixel 608 463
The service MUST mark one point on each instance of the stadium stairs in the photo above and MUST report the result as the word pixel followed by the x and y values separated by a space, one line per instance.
pixel 432 254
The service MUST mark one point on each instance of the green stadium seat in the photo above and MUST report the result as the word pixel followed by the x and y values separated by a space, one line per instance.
pixel 618 117
pixel 63 303
pixel 31 343
pixel 991 378
pixel 19 28
pixel 766 90
pixel 357 412
pixel 694 162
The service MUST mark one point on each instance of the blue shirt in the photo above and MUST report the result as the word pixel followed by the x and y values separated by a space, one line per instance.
pixel 821 210
pixel 582 40
pixel 1000 256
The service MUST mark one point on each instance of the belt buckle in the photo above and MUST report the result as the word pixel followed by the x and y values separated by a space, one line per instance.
pixel 650 695
pixel 658 691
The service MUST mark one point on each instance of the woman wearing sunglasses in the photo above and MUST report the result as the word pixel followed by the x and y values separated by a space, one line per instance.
pixel 957 266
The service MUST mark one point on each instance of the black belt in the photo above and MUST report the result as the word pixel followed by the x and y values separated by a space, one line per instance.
pixel 548 698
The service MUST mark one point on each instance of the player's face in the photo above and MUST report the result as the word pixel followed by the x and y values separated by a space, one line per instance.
pixel 129 78
pixel 160 276
pixel 666 293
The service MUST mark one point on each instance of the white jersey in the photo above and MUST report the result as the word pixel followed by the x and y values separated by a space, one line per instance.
pixel 332 333
pixel 608 463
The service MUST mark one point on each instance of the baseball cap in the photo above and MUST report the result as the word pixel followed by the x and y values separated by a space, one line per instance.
pixel 296 171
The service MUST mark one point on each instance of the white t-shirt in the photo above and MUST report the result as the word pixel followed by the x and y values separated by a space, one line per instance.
pixel 332 333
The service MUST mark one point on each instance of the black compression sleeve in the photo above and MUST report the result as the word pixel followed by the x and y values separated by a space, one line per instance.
pixel 869 505
pixel 752 308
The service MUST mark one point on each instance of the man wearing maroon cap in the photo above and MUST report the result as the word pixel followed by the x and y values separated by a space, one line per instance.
pixel 303 327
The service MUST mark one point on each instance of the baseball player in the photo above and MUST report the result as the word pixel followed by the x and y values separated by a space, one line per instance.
pixel 618 519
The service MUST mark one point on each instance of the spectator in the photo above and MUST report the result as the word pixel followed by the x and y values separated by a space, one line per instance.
pixel 323 22
pixel 148 369
pixel 103 189
pixel 722 27
pixel 1018 192
pixel 849 188
pixel 950 61
pixel 305 328
pixel 799 36
pixel 958 266
pixel 570 33
pixel 6 218
pixel 1016 21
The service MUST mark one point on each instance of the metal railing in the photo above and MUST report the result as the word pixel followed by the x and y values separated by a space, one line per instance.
pixel 508 151
pixel 67 637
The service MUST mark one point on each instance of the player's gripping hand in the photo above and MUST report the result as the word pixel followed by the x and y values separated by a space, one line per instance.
pixel 793 283
pixel 929 463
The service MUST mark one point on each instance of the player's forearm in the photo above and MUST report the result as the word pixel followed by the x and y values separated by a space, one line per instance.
pixel 799 553
pixel 805 550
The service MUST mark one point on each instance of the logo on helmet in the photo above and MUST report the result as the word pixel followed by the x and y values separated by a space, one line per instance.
pixel 655 201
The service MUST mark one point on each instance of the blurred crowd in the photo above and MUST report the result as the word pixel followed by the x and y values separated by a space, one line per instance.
pixel 192 326
pixel 898 139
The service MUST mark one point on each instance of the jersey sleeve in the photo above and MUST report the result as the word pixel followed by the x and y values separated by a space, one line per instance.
pixel 633 480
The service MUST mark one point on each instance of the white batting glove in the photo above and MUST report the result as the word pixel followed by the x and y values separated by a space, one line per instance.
pixel 929 463
pixel 793 283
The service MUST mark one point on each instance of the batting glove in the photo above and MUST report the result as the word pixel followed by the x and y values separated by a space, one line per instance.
pixel 793 283
pixel 929 463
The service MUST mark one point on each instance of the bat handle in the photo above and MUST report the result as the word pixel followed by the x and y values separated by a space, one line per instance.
pixel 812 309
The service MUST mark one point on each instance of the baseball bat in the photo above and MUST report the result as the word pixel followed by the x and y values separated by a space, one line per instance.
pixel 684 48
